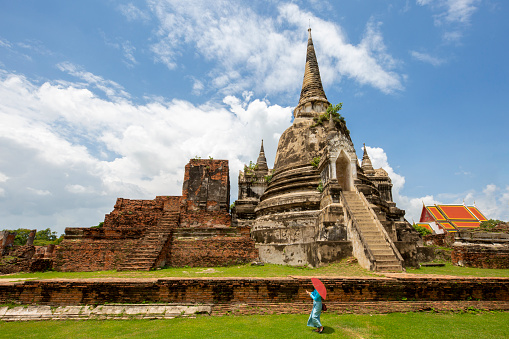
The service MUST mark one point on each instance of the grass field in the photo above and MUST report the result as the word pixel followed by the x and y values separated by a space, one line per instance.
pixel 450 269
pixel 344 268
pixel 396 325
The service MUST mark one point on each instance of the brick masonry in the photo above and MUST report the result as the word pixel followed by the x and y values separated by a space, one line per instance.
pixel 189 230
pixel 481 256
pixel 270 295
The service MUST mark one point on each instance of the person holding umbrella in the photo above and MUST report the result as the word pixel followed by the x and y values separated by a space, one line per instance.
pixel 317 295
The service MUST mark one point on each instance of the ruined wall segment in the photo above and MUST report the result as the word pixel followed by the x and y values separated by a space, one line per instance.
pixel 206 194
pixel 189 230
pixel 107 247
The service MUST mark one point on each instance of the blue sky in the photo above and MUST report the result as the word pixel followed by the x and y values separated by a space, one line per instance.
pixel 107 99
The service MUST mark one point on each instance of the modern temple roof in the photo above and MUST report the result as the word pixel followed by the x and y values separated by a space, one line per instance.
pixel 452 218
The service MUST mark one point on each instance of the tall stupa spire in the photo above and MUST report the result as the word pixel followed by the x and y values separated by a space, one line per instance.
pixel 312 89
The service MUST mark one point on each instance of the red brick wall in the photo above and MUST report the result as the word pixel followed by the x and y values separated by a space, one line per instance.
pixel 252 290
pixel 129 213
pixel 104 248
pixel 480 256
pixel 90 254
pixel 206 219
pixel 215 251
pixel 443 240
pixel 206 185
pixel 204 204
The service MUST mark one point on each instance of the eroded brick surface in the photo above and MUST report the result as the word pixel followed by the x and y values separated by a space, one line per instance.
pixel 481 256
pixel 189 230
pixel 235 291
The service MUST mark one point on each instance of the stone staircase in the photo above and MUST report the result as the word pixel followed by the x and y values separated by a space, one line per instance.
pixel 385 259
pixel 145 256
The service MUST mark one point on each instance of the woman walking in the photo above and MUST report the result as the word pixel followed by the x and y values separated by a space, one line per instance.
pixel 314 317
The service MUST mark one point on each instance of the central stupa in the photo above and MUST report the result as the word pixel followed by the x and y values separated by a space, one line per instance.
pixel 319 205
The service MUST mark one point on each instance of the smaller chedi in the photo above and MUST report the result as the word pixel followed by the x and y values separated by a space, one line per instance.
pixel 253 181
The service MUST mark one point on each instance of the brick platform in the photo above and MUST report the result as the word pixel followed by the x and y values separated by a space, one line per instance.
pixel 271 295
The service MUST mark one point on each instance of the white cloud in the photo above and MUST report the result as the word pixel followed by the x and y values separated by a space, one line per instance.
pixel 492 201
pixel 244 42
pixel 129 50
pixel 5 44
pixel 63 142
pixel 424 57
pixel 133 13
pixel 454 15
pixel 125 46
pixel 38 191
pixel 112 89
pixel 197 87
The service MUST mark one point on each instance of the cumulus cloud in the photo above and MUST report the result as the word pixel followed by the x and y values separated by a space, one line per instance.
pixel 67 154
pixel 493 201
pixel 270 59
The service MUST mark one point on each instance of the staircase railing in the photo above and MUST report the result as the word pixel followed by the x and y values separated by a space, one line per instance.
pixel 381 228
pixel 351 216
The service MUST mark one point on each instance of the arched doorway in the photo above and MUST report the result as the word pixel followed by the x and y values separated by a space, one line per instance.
pixel 344 171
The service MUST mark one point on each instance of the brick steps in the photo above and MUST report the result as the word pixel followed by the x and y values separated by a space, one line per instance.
pixel 150 246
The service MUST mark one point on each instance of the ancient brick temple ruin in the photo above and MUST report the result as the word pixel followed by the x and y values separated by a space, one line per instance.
pixel 321 205
pixel 318 205
pixel 189 230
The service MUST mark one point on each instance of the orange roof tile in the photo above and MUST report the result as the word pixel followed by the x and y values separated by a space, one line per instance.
pixel 436 213
pixel 456 212
pixel 477 213
pixel 466 224
pixel 447 226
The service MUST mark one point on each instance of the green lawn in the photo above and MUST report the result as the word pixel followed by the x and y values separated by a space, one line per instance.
pixel 344 268
pixel 450 269
pixel 396 325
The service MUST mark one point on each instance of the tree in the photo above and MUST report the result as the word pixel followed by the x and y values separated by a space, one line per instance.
pixel 45 237
pixel 42 237
pixel 489 225
pixel 21 236
pixel 423 231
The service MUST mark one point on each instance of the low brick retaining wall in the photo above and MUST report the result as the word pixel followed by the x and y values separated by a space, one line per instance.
pixel 225 293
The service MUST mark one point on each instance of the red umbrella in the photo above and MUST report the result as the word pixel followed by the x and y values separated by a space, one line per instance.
pixel 318 285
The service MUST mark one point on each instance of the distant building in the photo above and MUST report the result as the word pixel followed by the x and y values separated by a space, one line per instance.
pixel 450 218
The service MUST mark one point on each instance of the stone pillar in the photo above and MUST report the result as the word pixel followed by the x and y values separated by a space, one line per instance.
pixel 31 237
pixel 49 253
pixel 6 241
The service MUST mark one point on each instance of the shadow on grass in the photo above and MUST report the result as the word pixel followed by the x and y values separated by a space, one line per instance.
pixel 326 330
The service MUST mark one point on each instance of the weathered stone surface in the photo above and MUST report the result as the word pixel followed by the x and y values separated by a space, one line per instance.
pixel 319 192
